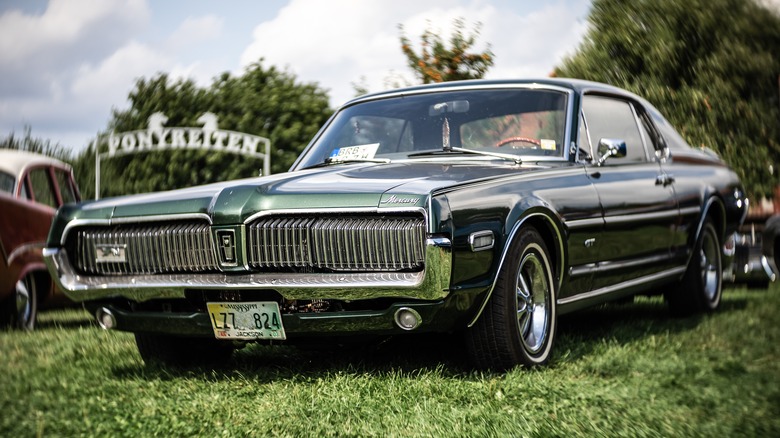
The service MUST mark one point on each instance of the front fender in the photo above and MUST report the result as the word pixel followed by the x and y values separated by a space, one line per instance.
pixel 549 225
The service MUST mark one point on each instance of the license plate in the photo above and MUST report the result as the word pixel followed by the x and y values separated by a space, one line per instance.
pixel 247 321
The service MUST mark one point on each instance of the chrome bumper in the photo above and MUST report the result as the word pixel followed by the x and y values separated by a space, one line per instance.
pixel 430 284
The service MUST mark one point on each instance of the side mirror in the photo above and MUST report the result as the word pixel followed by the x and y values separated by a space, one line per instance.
pixel 610 147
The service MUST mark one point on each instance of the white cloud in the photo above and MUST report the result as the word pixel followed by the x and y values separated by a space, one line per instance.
pixel 62 70
pixel 108 82
pixel 194 30
pixel 536 42
pixel 360 40
pixel 36 50
pixel 773 5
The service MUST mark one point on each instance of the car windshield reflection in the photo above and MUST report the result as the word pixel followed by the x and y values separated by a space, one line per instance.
pixel 499 123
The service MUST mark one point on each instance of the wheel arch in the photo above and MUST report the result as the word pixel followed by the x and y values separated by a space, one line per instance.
pixel 714 209
pixel 40 275
pixel 550 228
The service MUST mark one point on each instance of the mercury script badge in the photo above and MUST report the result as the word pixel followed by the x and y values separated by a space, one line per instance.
pixel 108 253
pixel 393 199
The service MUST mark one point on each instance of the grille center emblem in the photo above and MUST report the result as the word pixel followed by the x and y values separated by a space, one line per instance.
pixel 108 253
pixel 227 246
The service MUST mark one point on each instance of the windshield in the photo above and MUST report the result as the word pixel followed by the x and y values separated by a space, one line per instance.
pixel 523 122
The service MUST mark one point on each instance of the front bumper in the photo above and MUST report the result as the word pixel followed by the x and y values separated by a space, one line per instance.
pixel 433 317
pixel 431 284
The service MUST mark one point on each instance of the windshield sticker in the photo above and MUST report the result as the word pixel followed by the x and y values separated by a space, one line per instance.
pixel 360 152
pixel 547 144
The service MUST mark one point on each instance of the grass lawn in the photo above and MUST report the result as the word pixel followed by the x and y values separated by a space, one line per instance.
pixel 618 370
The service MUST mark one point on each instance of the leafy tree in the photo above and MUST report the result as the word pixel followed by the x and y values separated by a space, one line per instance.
pixel 439 63
pixel 711 66
pixel 263 101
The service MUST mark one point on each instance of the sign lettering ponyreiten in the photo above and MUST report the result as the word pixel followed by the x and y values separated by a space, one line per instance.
pixel 157 136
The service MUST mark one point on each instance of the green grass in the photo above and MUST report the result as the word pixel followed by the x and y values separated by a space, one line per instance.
pixel 619 370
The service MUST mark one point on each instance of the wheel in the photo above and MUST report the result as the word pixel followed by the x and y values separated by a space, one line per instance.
pixel 701 286
pixel 181 351
pixel 518 324
pixel 20 310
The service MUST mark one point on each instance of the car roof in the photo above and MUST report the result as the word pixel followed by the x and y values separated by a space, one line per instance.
pixel 15 162
pixel 577 85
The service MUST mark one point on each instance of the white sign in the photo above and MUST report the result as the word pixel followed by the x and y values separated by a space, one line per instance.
pixel 158 136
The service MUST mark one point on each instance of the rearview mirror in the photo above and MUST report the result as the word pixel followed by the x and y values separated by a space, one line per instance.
pixel 454 106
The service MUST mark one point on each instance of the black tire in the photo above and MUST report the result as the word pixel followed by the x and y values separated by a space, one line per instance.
pixel 179 351
pixel 21 309
pixel 518 324
pixel 701 287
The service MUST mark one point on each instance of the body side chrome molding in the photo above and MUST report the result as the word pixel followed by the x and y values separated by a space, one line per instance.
pixel 626 284
pixel 583 223
pixel 606 266
pixel 635 217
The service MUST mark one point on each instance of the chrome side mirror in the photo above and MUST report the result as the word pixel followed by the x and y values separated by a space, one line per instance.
pixel 610 147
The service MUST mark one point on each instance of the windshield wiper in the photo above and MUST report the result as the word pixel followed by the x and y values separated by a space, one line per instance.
pixel 333 160
pixel 509 157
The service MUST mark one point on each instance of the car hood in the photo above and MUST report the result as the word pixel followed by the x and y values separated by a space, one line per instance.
pixel 365 185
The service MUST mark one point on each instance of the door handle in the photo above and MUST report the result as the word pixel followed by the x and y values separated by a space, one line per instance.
pixel 664 179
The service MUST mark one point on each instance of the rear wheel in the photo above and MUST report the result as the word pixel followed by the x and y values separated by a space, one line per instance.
pixel 181 351
pixel 518 324
pixel 701 286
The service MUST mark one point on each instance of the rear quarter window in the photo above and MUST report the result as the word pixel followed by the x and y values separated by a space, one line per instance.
pixel 7 182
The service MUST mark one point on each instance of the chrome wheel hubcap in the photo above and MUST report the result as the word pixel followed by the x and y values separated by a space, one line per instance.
pixel 710 266
pixel 23 305
pixel 532 293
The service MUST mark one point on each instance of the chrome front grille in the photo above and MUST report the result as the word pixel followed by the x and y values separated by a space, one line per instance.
pixel 338 243
pixel 145 249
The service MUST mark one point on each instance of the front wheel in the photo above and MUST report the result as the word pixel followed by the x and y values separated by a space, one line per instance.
pixel 180 351
pixel 701 286
pixel 518 324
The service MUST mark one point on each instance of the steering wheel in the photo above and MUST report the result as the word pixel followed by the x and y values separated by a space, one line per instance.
pixel 529 140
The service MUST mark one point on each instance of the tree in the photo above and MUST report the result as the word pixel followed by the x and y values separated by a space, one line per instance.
pixel 439 63
pixel 711 66
pixel 34 144
pixel 263 101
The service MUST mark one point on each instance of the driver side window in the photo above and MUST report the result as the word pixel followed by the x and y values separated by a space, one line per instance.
pixel 613 118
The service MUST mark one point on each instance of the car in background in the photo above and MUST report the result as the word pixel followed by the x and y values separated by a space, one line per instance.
pixel 480 208
pixel 757 249
pixel 32 187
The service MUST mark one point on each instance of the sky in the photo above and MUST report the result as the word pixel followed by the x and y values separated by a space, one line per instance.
pixel 65 64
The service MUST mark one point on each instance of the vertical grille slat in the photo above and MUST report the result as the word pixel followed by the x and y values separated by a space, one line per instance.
pixel 147 249
pixel 338 243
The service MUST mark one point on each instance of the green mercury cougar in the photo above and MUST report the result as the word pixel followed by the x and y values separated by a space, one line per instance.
pixel 485 209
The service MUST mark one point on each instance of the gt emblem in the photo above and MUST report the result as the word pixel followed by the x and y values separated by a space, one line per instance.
pixel 590 243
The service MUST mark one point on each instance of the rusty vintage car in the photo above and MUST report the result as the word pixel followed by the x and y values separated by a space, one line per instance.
pixel 32 187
